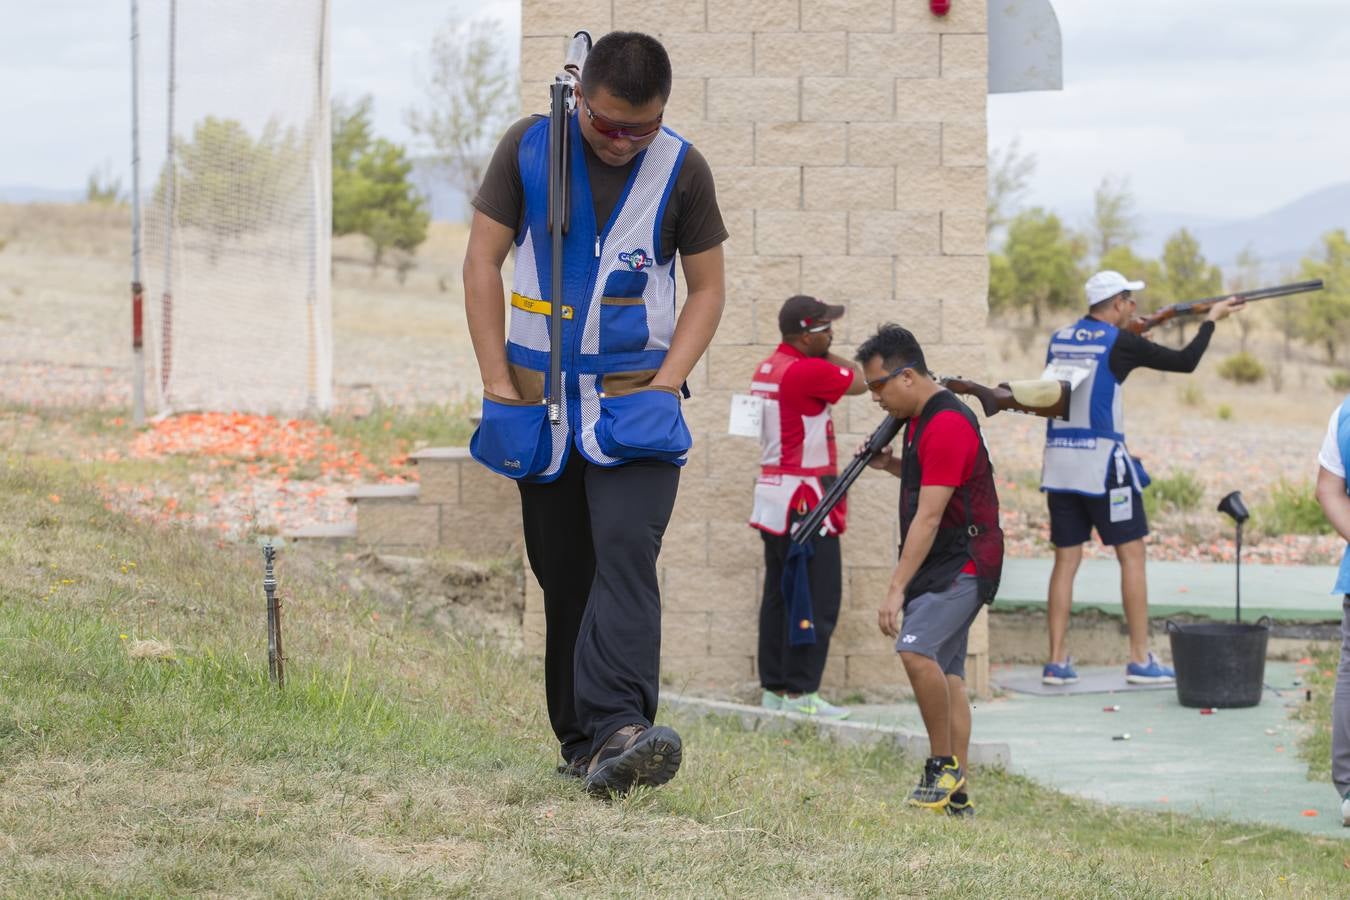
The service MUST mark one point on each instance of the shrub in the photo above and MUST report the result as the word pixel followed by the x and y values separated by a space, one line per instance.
pixel 1190 394
pixel 1242 368
pixel 1291 509
pixel 1178 489
pixel 1224 412
pixel 1337 381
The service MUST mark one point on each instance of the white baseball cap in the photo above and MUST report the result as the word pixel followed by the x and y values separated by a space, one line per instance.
pixel 1105 285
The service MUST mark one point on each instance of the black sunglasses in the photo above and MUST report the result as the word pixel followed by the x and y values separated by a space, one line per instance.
pixel 876 383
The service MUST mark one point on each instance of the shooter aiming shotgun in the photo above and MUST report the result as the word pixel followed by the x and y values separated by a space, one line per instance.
pixel 1044 398
pixel 562 103
pixel 1140 324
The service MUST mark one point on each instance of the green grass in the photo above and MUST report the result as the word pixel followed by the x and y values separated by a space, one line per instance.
pixel 1320 679
pixel 404 762
pixel 388 431
pixel 1178 489
pixel 1291 509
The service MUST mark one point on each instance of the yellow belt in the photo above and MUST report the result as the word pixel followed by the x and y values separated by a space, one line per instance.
pixel 543 307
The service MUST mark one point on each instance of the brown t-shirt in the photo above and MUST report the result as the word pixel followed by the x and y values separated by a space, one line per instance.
pixel 692 222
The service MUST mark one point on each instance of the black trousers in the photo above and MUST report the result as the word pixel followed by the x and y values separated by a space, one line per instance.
pixel 783 667
pixel 592 538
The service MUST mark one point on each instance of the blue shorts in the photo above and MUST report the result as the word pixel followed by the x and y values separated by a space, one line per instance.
pixel 936 625
pixel 1073 516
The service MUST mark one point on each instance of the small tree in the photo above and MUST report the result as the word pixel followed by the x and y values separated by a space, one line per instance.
pixel 103 188
pixel 223 175
pixel 1009 174
pixel 1188 275
pixel 1246 276
pixel 1324 317
pixel 471 99
pixel 1045 261
pixel 1114 224
pixel 372 193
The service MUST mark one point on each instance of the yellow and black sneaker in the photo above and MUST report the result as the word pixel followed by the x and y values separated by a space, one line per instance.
pixel 960 806
pixel 942 777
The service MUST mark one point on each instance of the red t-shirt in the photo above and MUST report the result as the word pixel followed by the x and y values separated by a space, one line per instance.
pixel 809 387
pixel 947 453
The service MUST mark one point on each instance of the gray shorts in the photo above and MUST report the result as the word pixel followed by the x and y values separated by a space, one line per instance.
pixel 936 625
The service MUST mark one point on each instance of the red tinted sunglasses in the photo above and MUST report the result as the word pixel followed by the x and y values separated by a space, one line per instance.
pixel 615 130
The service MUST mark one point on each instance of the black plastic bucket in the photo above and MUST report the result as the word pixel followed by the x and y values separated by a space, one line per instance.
pixel 1220 665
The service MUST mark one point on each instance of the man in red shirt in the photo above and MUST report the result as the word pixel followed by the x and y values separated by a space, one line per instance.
pixel 951 551
pixel 798 384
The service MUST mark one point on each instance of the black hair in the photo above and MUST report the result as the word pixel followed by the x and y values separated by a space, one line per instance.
pixel 896 346
pixel 630 65
pixel 1102 305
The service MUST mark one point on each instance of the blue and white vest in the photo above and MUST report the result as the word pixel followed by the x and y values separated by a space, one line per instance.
pixel 1081 453
pixel 1343 442
pixel 618 322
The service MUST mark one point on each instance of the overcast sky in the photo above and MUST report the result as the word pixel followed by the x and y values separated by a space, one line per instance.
pixel 1218 108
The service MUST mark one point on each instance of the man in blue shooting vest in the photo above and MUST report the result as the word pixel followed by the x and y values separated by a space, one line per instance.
pixel 598 487
pixel 1335 501
pixel 1089 477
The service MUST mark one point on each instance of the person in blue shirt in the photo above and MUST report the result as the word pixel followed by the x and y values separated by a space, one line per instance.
pixel 1089 478
pixel 597 487
pixel 1335 502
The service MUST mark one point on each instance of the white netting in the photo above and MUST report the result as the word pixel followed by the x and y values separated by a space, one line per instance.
pixel 238 214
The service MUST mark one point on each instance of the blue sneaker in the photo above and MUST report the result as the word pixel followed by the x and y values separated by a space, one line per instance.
pixel 1059 673
pixel 1152 672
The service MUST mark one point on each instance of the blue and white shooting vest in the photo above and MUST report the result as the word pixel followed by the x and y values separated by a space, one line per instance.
pixel 1343 442
pixel 1086 453
pixel 618 322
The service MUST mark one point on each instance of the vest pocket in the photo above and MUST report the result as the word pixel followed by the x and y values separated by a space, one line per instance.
pixel 623 325
pixel 623 313
pixel 646 424
pixel 514 437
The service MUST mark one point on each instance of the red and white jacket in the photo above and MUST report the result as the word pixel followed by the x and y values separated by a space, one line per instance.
pixel 796 437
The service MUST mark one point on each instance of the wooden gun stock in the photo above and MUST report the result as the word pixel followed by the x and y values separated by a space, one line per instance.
pixel 1037 397
pixel 1140 324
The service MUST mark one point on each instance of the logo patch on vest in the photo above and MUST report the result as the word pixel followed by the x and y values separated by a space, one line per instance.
pixel 636 259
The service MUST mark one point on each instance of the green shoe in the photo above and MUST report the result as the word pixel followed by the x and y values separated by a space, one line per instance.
pixel 770 700
pixel 827 710
pixel 814 705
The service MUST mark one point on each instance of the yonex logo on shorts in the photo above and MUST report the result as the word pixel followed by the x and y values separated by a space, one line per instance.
pixel 909 639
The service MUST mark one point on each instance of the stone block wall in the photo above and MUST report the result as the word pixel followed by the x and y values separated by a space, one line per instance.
pixel 847 139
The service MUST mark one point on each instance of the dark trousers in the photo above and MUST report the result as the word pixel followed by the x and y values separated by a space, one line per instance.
pixel 783 667
pixel 592 538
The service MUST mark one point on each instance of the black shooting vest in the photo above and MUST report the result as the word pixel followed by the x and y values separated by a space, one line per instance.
pixel 969 527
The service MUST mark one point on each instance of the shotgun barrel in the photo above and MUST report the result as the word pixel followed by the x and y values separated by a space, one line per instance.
pixel 878 441
pixel 1194 307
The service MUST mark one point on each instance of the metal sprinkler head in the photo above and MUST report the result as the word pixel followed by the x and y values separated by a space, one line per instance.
pixel 1233 507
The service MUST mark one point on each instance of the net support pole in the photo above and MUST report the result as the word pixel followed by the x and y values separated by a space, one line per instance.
pixel 317 222
pixel 137 292
pixel 170 210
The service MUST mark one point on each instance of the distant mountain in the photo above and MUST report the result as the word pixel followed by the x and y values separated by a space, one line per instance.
pixel 1280 237
pixel 22 193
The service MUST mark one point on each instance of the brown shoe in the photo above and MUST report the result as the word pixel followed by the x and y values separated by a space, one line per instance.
pixel 633 756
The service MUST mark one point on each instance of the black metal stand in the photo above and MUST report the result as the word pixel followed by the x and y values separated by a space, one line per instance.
pixel 276 661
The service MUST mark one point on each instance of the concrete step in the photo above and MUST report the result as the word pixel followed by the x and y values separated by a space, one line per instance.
pixel 323 531
pixel 392 493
